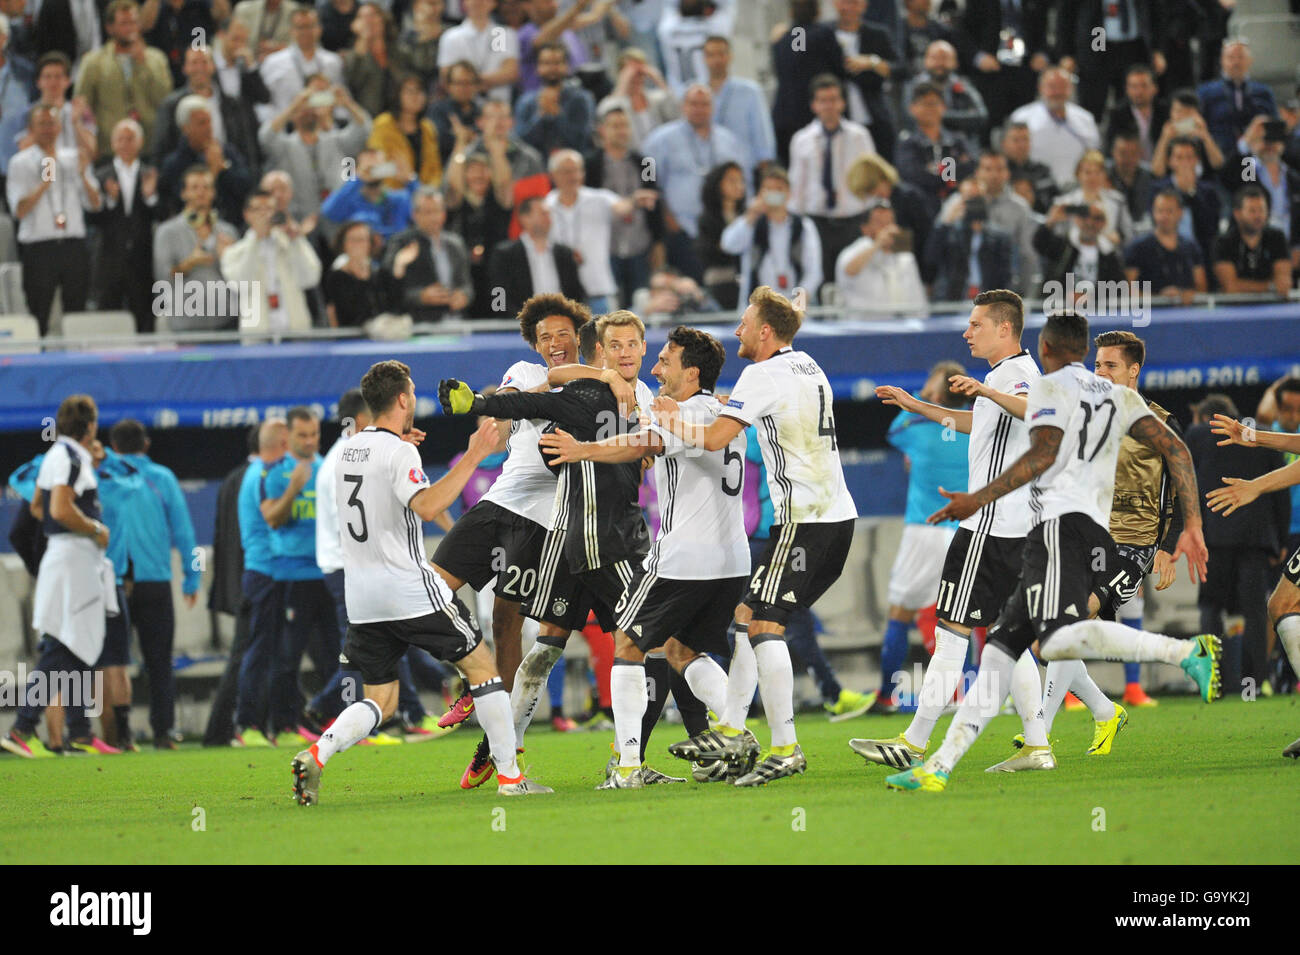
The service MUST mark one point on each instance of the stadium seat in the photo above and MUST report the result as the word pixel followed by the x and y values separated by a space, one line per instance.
pixel 80 325
pixel 12 299
pixel 19 333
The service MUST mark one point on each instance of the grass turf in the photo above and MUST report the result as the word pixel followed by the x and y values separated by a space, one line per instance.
pixel 1185 783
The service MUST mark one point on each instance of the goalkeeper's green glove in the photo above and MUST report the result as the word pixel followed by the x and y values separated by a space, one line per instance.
pixel 457 397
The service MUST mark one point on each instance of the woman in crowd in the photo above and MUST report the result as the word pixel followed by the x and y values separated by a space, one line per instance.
pixel 723 195
pixel 407 136
pixel 355 288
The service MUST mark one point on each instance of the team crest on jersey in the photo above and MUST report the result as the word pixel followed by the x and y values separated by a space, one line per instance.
pixel 416 476
pixel 1042 413
pixel 559 607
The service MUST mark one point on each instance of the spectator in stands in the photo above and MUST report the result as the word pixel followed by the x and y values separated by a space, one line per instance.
pixel 647 108
pixel 683 152
pixel 619 168
pixel 1241 545
pixel 776 249
pixel 1060 131
pixel 123 78
pixel 387 211
pixel 739 104
pixel 231 119
pixel 723 200
pixel 1015 145
pixel 198 145
pixel 268 24
pixel 583 218
pixel 869 56
pixel 1186 121
pixel 49 189
pixel 547 24
pixel 1251 255
pixel 869 177
pixel 1290 112
pixel 917 30
pixel 1140 113
pixel 429 266
pixel 496 123
pixel 1230 102
pixel 370 64
pixel 237 70
pixel 1259 159
pixel 820 156
pixel 672 294
pixel 124 263
pixel 336 19
pixel 1093 189
pixel 314 154
pixel 355 288
pixel 1009 44
pixel 287 71
pixel 875 280
pixel 797 59
pixel 407 137
pixel 1173 264
pixel 72 29
pixel 1083 251
pixel 1002 210
pixel 280 185
pixel 967 252
pixel 492 49
pixel 1131 177
pixel 153 526
pixel 682 32
pixel 281 260
pixel 1200 219
pixel 172 26
pixel 1134 32
pixel 531 264
pixel 190 245
pixel 459 110
pixel 964 109
pixel 559 113
pixel 479 200
pixel 53 75
pixel 417 46
pixel 929 156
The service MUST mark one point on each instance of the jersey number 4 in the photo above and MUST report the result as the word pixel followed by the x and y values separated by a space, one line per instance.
pixel 361 535
pixel 825 416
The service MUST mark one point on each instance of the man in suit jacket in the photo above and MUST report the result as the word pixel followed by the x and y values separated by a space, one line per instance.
pixel 1233 100
pixel 1084 252
pixel 1140 113
pixel 1134 33
pixel 70 26
pixel 125 225
pixel 530 265
pixel 869 56
pixel 233 120
pixel 948 255
pixel 198 145
pixel 1007 52
pixel 429 267
pixel 796 59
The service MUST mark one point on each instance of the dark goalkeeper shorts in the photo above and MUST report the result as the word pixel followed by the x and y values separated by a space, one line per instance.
pixel 491 542
pixel 696 612
pixel 979 573
pixel 1291 569
pixel 376 648
pixel 564 598
pixel 798 565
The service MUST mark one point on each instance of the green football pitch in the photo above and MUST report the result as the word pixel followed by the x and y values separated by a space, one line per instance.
pixel 1186 783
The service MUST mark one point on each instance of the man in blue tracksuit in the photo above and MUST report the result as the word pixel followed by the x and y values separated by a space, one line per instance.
pixel 288 503
pixel 154 524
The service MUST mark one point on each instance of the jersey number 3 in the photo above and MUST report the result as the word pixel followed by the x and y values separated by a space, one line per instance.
pixel 361 535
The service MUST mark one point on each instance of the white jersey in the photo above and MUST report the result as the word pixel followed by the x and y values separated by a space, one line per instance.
pixel 329 549
pixel 788 399
pixel 996 439
pixel 701 512
pixel 681 41
pixel 386 573
pixel 1094 415
pixel 525 486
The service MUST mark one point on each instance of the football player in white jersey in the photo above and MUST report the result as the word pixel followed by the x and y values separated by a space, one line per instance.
pixel 682 596
pixel 983 561
pixel 1077 422
pixel 787 396
pixel 394 598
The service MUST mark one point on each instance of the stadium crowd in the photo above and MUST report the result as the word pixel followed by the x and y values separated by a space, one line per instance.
pixel 387 159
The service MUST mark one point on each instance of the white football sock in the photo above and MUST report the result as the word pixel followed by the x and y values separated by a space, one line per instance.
pixel 708 681
pixel 531 676
pixel 776 686
pixel 492 707
pixel 742 681
pixel 938 685
pixel 1060 674
pixel 1108 640
pixel 1027 694
pixel 1288 631
pixel 1086 689
pixel 353 725
pixel 981 704
pixel 629 696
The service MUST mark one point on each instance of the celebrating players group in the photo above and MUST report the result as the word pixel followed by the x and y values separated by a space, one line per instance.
pixel 1078 487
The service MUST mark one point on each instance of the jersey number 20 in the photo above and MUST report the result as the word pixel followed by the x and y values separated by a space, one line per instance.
pixel 358 536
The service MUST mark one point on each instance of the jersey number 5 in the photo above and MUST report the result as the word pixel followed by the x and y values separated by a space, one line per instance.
pixel 825 417
pixel 358 536
pixel 728 456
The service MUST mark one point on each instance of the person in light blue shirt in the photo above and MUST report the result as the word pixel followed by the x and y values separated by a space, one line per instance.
pixel 152 525
pixel 288 503
pixel 739 104
pixel 936 457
